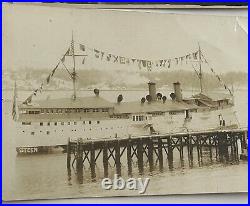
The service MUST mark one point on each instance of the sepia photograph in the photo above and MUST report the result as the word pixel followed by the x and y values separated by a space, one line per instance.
pixel 100 102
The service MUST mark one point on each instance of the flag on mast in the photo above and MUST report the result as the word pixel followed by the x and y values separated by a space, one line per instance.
pixel 14 103
pixel 72 47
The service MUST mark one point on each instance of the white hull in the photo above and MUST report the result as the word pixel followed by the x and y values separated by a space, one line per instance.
pixel 35 135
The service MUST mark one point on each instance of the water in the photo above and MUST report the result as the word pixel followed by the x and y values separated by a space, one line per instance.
pixel 46 176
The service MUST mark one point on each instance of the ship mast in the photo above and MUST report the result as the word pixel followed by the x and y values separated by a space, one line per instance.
pixel 200 72
pixel 74 69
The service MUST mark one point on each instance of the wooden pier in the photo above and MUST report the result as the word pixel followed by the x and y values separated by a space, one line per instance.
pixel 222 146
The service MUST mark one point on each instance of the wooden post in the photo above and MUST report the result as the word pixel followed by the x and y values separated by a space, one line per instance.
pixel 210 149
pixel 80 175
pixel 245 135
pixel 181 152
pixel 69 176
pixel 220 147
pixel 244 144
pixel 225 147
pixel 198 150
pixel 232 148
pixel 160 156
pixel 79 155
pixel 117 158
pixel 140 156
pixel 200 147
pixel 216 139
pixel 236 149
pixel 129 158
pixel 105 160
pixel 79 161
pixel 68 153
pixel 170 153
pixel 190 150
pixel 150 155
pixel 92 161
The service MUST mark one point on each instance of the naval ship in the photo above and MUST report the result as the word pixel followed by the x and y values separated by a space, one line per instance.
pixel 44 125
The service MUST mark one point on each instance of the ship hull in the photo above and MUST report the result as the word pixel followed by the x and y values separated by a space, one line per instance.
pixel 49 139
pixel 33 150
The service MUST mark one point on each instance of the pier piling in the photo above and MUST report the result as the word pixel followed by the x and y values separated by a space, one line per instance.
pixel 105 159
pixel 68 154
pixel 150 154
pixel 92 161
pixel 140 156
pixel 181 152
pixel 224 143
pixel 210 149
pixel 129 158
pixel 160 155
pixel 118 158
pixel 170 153
pixel 79 159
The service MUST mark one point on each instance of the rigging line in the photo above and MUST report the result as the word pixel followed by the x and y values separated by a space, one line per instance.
pixel 67 69
pixel 77 55
pixel 42 84
pixel 221 81
pixel 92 49
pixel 197 73
pixel 67 72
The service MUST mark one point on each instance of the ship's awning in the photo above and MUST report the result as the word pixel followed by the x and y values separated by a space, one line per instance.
pixel 157 106
pixel 208 104
pixel 79 102
pixel 212 96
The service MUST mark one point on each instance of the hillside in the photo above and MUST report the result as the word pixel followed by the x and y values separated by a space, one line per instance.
pixel 28 79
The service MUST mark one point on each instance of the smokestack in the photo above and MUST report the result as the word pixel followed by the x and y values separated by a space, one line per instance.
pixel 152 90
pixel 177 91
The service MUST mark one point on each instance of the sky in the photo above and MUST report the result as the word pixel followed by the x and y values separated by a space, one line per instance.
pixel 37 36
